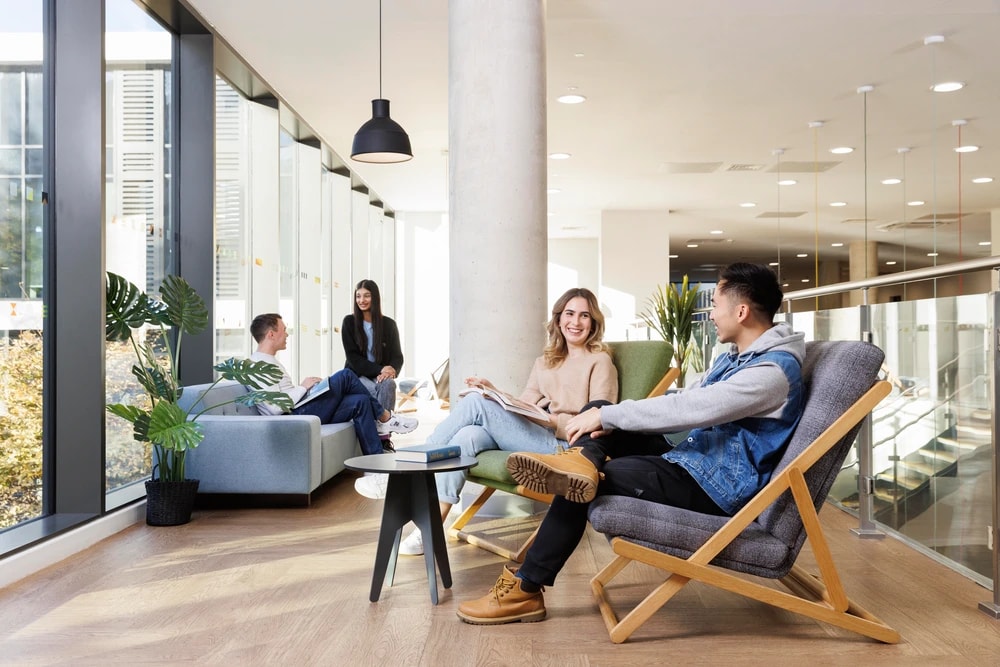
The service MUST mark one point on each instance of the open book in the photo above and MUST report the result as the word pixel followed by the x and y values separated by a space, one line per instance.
pixel 320 387
pixel 509 403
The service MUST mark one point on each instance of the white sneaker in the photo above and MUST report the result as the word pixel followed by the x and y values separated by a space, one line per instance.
pixel 412 544
pixel 396 424
pixel 372 486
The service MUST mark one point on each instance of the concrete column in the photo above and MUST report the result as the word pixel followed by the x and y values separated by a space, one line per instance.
pixel 497 175
pixel 863 264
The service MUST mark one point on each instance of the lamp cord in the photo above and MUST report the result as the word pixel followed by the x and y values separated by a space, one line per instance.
pixel 380 49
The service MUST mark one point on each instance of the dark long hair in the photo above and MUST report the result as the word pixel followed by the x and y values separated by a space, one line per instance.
pixel 377 326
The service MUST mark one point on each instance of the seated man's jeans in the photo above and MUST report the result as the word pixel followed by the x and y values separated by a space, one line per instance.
pixel 348 401
pixel 636 469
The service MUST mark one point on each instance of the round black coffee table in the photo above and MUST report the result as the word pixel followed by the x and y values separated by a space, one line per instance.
pixel 411 495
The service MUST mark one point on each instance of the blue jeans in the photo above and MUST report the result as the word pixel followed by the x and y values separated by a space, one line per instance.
pixel 348 400
pixel 478 424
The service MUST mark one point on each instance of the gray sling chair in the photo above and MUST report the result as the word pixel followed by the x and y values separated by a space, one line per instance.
pixel 765 537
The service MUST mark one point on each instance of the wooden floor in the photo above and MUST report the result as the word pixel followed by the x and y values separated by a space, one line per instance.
pixel 290 587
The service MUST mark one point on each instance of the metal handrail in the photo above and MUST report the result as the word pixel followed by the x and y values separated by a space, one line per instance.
pixel 913 275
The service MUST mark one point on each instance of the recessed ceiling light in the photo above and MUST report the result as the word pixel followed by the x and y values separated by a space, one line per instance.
pixel 571 99
pixel 985 243
pixel 773 264
pixel 748 204
pixel 947 86
pixel 891 181
pixel 716 231
pixel 802 254
pixel 554 191
pixel 805 280
pixel 983 179
pixel 560 156
pixel 692 245
pixel 787 181
pixel 967 149
pixel 784 284
pixel 672 256
pixel 932 254
pixel 916 202
pixel 838 203
pixel 577 55
pixel 837 245
pixel 841 150
pixel 890 263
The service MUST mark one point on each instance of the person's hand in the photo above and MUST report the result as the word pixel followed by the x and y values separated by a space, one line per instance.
pixel 310 381
pixel 584 423
pixel 388 373
pixel 473 381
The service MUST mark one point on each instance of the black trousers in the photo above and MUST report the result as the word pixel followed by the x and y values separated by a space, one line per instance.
pixel 633 466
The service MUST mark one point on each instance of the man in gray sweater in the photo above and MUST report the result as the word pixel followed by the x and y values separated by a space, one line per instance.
pixel 739 417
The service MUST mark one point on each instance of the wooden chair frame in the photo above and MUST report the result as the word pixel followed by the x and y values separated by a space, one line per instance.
pixel 484 541
pixel 821 598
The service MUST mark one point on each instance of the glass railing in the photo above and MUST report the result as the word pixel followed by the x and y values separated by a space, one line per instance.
pixel 927 475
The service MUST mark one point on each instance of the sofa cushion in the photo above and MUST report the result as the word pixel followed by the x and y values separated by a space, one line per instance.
pixel 224 392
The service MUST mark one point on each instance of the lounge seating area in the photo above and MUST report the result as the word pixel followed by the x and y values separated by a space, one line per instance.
pixel 266 460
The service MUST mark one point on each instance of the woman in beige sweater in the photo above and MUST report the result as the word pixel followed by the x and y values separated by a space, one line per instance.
pixel 574 369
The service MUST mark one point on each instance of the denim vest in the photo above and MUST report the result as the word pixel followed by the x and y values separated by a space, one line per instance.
pixel 733 461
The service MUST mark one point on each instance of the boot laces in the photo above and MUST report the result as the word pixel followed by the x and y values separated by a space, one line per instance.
pixel 502 587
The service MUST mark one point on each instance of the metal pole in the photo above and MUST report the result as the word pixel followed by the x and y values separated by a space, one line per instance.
pixel 866 481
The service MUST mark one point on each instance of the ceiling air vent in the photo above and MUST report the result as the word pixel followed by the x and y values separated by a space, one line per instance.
pixel 781 214
pixel 708 241
pixel 744 167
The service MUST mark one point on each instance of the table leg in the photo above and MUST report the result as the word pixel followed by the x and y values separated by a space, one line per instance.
pixel 395 514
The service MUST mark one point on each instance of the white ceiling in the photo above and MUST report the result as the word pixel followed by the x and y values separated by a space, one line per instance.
pixel 668 84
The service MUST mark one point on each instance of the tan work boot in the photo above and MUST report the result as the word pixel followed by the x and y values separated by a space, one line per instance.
pixel 505 603
pixel 569 474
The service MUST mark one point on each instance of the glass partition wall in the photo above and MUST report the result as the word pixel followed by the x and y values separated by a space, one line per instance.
pixel 931 444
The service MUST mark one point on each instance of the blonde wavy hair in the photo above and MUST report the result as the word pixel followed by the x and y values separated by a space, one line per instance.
pixel 556 348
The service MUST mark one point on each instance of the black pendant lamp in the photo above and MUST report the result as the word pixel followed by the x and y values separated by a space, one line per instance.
pixel 381 139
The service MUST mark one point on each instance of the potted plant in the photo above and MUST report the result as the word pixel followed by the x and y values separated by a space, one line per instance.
pixel 171 430
pixel 671 314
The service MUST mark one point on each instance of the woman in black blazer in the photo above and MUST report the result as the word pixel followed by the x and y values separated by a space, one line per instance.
pixel 371 343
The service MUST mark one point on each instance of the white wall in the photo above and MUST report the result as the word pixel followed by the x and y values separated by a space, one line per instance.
pixel 634 258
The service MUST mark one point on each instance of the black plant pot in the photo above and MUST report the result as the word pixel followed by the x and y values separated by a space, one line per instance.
pixel 170 503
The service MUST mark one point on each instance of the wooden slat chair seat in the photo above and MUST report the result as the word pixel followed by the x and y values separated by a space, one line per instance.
pixel 765 537
pixel 643 370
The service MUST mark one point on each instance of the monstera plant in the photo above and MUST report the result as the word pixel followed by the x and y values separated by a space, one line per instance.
pixel 671 314
pixel 155 327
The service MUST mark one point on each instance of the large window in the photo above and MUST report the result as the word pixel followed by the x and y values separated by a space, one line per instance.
pixel 138 195
pixel 232 225
pixel 22 231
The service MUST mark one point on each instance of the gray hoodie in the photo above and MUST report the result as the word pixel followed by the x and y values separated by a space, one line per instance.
pixel 760 390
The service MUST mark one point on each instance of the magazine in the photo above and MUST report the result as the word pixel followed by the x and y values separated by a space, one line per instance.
pixel 317 389
pixel 509 403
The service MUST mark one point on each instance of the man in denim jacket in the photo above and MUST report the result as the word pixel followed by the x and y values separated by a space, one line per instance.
pixel 739 417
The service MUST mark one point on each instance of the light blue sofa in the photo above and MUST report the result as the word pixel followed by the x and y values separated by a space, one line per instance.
pixel 285 457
